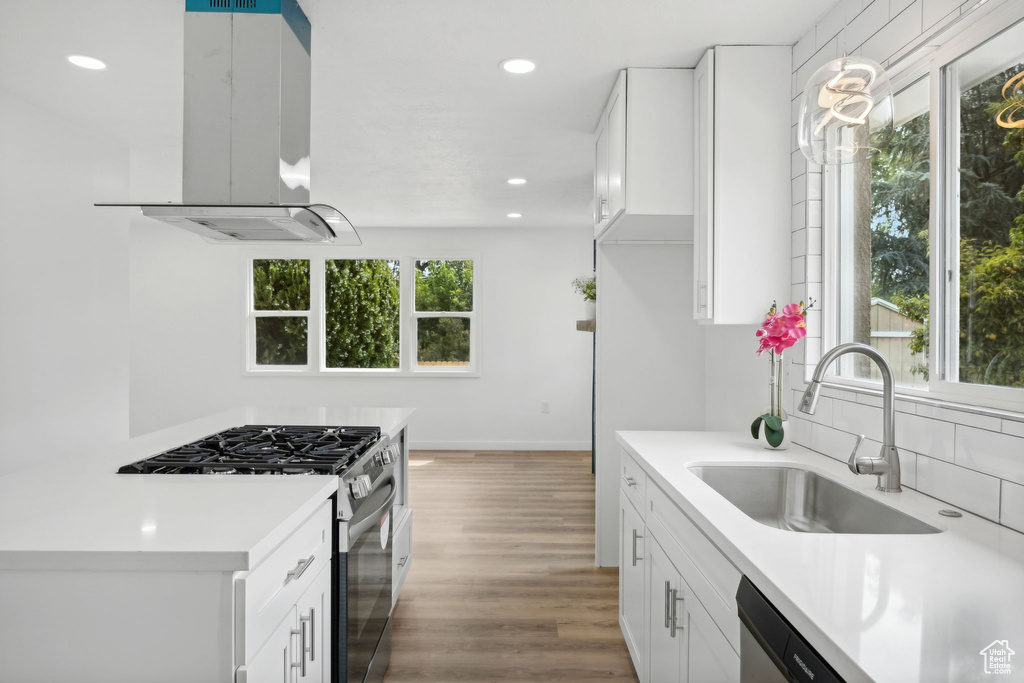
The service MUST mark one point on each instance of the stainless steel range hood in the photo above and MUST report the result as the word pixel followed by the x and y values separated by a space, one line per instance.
pixel 245 166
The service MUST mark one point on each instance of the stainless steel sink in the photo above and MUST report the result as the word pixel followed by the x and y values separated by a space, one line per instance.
pixel 795 499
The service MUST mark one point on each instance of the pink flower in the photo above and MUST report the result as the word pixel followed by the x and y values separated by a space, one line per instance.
pixel 780 331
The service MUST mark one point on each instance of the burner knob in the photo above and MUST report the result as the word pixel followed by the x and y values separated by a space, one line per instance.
pixel 360 486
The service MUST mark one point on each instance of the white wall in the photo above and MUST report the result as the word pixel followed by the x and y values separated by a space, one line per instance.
pixel 63 287
pixel 188 339
pixel 650 361
pixel 971 458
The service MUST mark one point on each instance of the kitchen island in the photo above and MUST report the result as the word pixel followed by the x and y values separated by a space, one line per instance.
pixel 876 607
pixel 146 577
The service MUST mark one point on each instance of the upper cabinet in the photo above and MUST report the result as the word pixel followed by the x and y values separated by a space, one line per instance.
pixel 741 183
pixel 643 158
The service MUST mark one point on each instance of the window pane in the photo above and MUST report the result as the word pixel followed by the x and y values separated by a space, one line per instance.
pixel 362 313
pixel 442 341
pixel 884 249
pixel 280 285
pixel 991 218
pixel 281 341
pixel 444 286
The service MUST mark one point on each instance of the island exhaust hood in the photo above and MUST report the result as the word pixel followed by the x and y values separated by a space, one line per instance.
pixel 245 166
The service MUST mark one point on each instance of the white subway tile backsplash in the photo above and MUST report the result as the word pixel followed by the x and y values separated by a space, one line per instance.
pixel 798 269
pixel 973 491
pixel 1011 506
pixel 814 241
pixel 829 26
pixel 803 49
pixel 858 418
pixel 1013 427
pixel 993 453
pixel 851 8
pixel 895 35
pixel 933 438
pixel 960 417
pixel 867 23
pixel 936 10
pixel 798 241
pixel 969 459
pixel 799 189
pixel 814 214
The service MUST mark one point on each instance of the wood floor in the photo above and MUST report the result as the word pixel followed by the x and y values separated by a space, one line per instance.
pixel 503 585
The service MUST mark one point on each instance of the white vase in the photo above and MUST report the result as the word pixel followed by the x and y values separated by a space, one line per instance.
pixel 590 310
pixel 776 372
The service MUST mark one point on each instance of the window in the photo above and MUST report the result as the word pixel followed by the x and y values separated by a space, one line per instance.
pixel 883 246
pixel 444 313
pixel 927 239
pixel 323 315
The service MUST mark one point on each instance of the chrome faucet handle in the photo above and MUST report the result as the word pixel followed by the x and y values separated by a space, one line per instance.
pixel 853 456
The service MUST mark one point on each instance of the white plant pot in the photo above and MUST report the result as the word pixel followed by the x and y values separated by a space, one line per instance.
pixel 590 310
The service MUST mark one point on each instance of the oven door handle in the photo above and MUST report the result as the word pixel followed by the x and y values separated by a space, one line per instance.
pixel 356 530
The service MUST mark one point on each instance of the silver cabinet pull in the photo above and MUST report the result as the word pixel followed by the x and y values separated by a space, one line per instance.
pixel 673 624
pixel 604 209
pixel 702 294
pixel 301 567
pixel 635 537
pixel 402 561
pixel 668 594
pixel 630 481
pixel 311 648
pixel 301 664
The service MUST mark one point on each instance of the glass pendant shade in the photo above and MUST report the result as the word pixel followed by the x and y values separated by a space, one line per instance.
pixel 846 112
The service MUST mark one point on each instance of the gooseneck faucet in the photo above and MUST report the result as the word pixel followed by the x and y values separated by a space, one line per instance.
pixel 886 465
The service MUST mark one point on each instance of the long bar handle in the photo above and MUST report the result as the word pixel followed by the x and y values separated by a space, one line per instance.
pixel 635 537
pixel 301 567
pixel 673 625
pixel 668 594
pixel 311 648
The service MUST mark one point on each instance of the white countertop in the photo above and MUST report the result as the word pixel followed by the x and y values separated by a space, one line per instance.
pixel 76 512
pixel 897 608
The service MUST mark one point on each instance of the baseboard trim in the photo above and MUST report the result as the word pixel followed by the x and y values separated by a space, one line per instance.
pixel 499 445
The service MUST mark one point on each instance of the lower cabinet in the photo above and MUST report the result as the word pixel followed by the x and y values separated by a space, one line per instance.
pixel 632 599
pixel 671 636
pixel 401 554
pixel 299 648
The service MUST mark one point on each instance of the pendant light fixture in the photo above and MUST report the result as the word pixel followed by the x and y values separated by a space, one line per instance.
pixel 846 112
pixel 1012 114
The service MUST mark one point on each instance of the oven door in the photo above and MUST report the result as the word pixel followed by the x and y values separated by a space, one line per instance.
pixel 368 591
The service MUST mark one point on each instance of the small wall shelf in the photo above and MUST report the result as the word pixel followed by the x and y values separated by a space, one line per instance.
pixel 586 325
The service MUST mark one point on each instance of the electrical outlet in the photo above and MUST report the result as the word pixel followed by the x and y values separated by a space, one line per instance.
pixel 545 407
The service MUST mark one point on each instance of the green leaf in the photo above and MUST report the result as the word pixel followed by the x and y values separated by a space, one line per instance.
pixel 773 432
pixel 755 425
pixel 773 421
pixel 773 436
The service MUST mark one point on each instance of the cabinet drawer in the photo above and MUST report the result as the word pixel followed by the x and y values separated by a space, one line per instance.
pixel 632 479
pixel 265 595
pixel 401 555
pixel 710 575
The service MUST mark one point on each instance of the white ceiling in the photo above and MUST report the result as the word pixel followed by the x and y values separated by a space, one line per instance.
pixel 414 124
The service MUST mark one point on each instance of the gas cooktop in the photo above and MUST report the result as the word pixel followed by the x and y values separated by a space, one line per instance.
pixel 264 449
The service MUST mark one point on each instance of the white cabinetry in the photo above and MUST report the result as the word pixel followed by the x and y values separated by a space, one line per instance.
pixel 273 663
pixel 742 138
pixel 401 554
pixel 678 623
pixel 632 598
pixel 643 150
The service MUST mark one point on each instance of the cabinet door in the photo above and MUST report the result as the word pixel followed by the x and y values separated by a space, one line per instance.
pixel 273 663
pixel 401 556
pixel 704 174
pixel 709 657
pixel 313 642
pixel 601 178
pixel 616 117
pixel 665 644
pixel 632 597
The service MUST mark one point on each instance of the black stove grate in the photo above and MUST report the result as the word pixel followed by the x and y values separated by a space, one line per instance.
pixel 264 449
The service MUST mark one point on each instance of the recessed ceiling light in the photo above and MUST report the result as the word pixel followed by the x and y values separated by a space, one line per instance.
pixel 517 181
pixel 518 66
pixel 86 62
pixel 515 215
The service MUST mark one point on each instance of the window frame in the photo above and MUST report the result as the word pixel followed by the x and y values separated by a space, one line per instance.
pixel 943 226
pixel 316 344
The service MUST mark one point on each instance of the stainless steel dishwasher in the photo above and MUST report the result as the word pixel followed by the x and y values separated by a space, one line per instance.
pixel 770 648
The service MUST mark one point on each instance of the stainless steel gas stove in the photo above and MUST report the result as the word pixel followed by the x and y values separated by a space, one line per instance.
pixel 363 534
